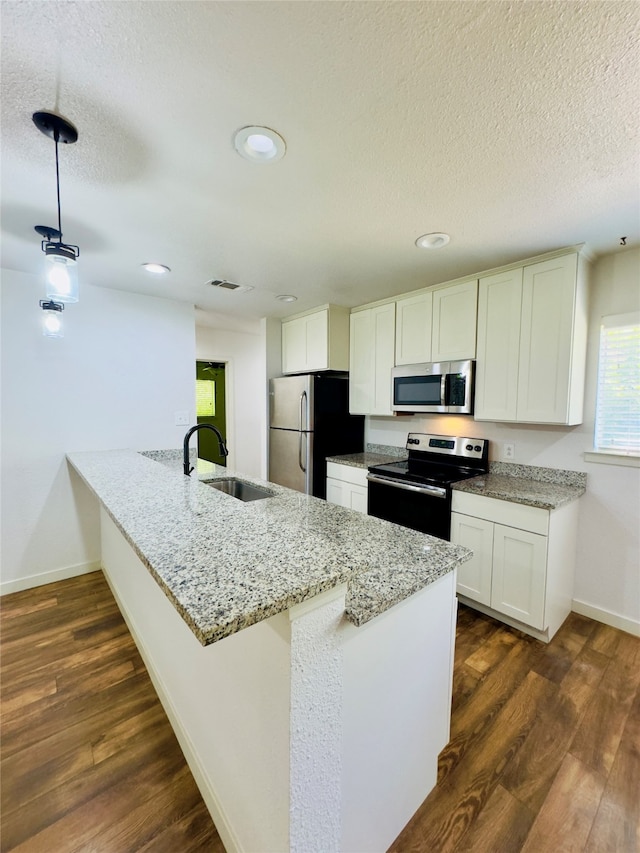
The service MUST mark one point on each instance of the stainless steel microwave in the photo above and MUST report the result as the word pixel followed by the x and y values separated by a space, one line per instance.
pixel 445 387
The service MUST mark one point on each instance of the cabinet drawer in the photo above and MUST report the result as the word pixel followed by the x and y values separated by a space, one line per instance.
pixel 347 474
pixel 523 517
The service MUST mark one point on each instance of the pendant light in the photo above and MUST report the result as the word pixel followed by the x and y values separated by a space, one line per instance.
pixel 61 258
pixel 52 319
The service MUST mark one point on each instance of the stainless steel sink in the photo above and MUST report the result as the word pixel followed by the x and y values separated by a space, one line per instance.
pixel 239 489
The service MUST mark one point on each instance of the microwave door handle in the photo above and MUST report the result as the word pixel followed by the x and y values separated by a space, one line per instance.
pixel 444 389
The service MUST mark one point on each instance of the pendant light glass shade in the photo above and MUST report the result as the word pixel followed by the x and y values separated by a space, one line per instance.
pixel 52 319
pixel 61 274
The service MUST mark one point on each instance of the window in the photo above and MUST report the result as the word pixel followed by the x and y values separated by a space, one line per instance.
pixel 618 397
pixel 205 398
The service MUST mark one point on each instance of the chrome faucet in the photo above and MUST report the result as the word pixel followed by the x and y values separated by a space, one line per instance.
pixel 223 447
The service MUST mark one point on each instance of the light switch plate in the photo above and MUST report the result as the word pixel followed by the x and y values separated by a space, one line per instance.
pixel 182 418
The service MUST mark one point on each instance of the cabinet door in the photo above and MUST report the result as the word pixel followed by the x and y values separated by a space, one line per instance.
pixel 546 340
pixel 337 492
pixel 317 334
pixel 347 495
pixel 361 363
pixel 294 346
pixel 413 329
pixel 455 311
pixel 383 355
pixel 474 576
pixel 499 306
pixel 519 575
pixel 358 498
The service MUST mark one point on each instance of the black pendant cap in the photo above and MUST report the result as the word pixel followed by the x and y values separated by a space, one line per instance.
pixel 55 126
pixel 48 233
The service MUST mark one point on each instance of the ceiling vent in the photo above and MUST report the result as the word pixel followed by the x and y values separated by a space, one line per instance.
pixel 223 284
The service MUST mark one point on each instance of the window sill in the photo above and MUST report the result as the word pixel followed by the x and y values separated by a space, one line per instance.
pixel 610 457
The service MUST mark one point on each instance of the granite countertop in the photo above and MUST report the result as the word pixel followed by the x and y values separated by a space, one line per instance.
pixel 546 488
pixel 374 454
pixel 226 564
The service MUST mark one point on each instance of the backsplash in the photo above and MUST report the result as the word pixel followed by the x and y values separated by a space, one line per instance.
pixel 541 475
pixel 387 450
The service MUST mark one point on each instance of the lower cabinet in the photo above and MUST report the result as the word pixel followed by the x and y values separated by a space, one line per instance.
pixel 523 560
pixel 347 486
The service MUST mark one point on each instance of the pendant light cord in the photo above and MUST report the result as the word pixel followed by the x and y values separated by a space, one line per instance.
pixel 56 137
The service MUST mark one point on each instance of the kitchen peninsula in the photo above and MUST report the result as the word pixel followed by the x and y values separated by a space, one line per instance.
pixel 303 652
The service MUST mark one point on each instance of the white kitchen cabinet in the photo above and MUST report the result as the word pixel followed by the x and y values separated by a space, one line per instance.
pixel 316 340
pixel 523 560
pixel 372 352
pixel 519 574
pixel 455 311
pixel 474 576
pixel 414 316
pixel 532 328
pixel 438 325
pixel 347 486
pixel 499 309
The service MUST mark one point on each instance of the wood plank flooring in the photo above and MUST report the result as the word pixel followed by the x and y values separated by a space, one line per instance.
pixel 544 753
pixel 89 759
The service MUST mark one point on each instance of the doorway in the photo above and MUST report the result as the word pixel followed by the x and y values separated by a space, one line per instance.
pixel 210 408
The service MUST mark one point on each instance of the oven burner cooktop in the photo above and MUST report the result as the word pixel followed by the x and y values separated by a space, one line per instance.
pixel 428 472
pixel 438 460
pixel 416 492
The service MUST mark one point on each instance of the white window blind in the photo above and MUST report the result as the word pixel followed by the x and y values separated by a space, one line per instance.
pixel 618 398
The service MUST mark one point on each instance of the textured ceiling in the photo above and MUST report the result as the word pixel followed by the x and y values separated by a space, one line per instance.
pixel 514 127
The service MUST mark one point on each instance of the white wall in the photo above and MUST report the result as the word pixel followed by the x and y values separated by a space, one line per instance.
pixel 243 349
pixel 124 367
pixel 608 560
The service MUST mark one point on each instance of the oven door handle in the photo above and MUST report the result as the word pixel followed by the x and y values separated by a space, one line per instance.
pixel 433 491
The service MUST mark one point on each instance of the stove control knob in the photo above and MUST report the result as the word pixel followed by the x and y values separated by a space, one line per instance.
pixel 478 448
pixel 469 447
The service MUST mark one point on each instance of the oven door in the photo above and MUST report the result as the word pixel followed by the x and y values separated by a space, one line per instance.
pixel 423 508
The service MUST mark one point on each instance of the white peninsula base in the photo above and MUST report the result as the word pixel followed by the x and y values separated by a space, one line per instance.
pixel 304 733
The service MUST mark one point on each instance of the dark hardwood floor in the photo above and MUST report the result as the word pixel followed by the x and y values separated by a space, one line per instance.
pixel 544 753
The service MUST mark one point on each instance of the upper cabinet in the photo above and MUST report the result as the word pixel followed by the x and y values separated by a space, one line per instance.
pixel 454 322
pixel 438 325
pixel 316 340
pixel 532 330
pixel 414 315
pixel 372 350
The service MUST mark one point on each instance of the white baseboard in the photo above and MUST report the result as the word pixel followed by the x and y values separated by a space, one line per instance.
pixel 32 581
pixel 614 620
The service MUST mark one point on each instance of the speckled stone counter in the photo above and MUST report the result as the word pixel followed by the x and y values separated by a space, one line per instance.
pixel 546 488
pixel 226 564
pixel 374 454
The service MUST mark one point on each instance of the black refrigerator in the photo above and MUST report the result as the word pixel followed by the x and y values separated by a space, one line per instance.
pixel 309 420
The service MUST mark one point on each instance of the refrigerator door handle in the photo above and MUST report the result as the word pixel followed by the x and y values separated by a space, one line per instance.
pixel 301 456
pixel 302 418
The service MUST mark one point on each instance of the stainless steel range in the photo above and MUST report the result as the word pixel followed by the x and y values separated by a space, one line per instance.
pixel 416 492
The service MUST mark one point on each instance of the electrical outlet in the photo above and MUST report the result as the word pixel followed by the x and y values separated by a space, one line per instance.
pixel 508 450
pixel 182 418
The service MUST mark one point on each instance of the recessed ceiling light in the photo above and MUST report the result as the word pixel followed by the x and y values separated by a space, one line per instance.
pixel 260 144
pixel 286 297
pixel 158 269
pixel 436 240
